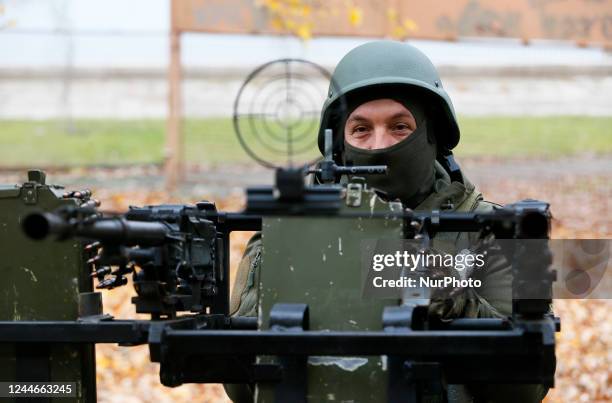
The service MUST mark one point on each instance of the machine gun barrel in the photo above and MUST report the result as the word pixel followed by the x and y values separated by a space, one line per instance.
pixel 115 230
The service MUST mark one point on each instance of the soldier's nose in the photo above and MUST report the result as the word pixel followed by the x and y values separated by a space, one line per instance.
pixel 382 139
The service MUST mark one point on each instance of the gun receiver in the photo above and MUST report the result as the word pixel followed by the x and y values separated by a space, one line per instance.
pixel 176 253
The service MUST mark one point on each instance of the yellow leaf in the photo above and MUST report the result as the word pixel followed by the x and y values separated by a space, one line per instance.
pixel 102 362
pixel 277 24
pixel 391 14
pixel 410 25
pixel 304 32
pixel 273 5
pixel 355 16
pixel 296 11
pixel 291 25
pixel 398 32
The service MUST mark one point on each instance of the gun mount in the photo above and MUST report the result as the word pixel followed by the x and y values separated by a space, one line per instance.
pixel 178 256
pixel 209 345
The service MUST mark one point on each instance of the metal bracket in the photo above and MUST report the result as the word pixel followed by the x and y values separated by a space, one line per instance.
pixel 398 319
pixel 290 184
pixel 294 385
pixel 409 381
pixel 354 191
pixel 29 190
pixel 29 193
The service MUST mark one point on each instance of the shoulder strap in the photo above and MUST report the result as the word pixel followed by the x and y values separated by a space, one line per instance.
pixel 471 202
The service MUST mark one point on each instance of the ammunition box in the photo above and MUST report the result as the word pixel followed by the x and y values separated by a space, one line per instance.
pixel 41 281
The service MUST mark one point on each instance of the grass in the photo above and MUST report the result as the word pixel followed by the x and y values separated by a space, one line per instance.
pixel 110 142
pixel 535 136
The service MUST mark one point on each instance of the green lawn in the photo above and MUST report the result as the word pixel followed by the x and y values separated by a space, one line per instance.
pixel 46 143
pixel 535 136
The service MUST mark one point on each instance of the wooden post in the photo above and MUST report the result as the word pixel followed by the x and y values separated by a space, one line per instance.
pixel 173 165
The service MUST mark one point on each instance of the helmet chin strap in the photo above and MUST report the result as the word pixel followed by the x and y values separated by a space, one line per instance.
pixel 447 160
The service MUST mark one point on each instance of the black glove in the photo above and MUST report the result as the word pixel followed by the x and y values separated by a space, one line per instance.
pixel 446 303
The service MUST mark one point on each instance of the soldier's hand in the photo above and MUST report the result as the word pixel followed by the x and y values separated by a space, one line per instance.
pixel 446 303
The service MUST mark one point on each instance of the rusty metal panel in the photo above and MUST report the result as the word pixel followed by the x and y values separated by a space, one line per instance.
pixel 247 16
pixel 221 16
pixel 582 21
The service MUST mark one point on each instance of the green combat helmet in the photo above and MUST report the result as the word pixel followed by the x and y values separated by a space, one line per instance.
pixel 389 63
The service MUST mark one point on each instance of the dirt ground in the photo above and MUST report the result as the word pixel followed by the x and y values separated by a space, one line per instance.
pixel 578 188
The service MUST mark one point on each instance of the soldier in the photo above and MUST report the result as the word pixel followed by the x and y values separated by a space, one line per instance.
pixel 398 114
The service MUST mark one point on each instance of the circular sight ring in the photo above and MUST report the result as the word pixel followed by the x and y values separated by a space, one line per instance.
pixel 236 115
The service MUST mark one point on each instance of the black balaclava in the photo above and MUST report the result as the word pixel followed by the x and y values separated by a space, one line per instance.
pixel 411 173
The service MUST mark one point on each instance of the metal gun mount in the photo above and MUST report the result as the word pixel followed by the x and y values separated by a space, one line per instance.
pixel 215 347
pixel 185 285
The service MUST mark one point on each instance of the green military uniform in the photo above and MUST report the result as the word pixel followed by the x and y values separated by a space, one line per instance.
pixel 387 69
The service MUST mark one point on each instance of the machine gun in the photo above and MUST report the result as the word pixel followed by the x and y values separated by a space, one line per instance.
pixel 312 322
pixel 177 253
pixel 159 243
pixel 178 257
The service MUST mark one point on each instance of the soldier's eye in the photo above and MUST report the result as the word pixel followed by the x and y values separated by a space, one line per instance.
pixel 360 131
pixel 402 127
